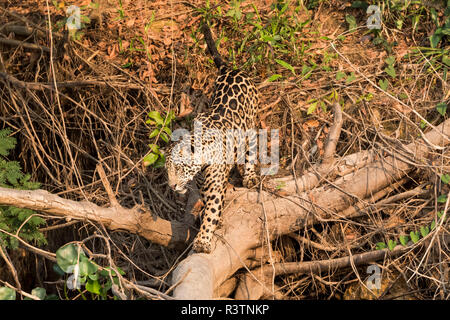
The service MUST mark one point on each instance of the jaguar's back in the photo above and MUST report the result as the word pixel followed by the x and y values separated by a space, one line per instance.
pixel 235 101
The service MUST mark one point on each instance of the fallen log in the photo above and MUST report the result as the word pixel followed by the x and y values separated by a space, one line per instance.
pixel 252 218
pixel 136 220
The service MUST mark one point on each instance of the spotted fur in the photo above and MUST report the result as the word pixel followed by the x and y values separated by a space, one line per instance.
pixel 234 106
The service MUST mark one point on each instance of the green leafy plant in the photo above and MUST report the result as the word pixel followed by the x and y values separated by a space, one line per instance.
pixel 381 245
pixel 423 230
pixel 351 22
pixel 313 103
pixel 384 84
pixel 441 108
pixel 17 220
pixel 274 37
pixel 415 237
pixel 75 34
pixel 7 293
pixel 14 219
pixel 71 260
pixel 161 130
pixel 121 11
pixel 235 11
pixel 390 70
pixel 441 30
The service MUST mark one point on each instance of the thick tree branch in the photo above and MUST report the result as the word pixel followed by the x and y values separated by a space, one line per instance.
pixel 249 286
pixel 136 220
pixel 245 224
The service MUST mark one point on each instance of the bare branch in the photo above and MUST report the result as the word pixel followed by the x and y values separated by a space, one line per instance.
pixel 138 221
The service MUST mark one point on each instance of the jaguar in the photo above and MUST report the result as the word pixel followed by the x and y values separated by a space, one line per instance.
pixel 206 156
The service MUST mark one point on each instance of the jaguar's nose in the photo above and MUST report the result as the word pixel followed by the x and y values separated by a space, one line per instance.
pixel 173 186
pixel 180 190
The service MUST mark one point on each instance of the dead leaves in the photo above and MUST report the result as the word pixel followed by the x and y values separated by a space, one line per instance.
pixel 185 106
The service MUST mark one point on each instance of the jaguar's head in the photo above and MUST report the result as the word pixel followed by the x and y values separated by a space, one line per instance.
pixel 180 166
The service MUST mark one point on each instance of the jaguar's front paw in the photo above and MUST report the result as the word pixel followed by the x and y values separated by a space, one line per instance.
pixel 202 245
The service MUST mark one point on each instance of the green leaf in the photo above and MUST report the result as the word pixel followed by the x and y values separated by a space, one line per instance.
pixel 87 267
pixel 285 65
pixel 164 137
pixel 434 16
pixel 82 279
pixel 435 38
pixel 121 272
pixel 404 240
pixel 7 293
pixel 446 59
pixel 340 75
pixel 424 231
pixel 440 214
pixel 150 159
pixel 105 288
pixel 127 65
pixel 312 107
pixel 160 162
pixel 441 108
pixel 383 84
pixel 433 225
pixel 415 21
pixel 85 19
pixel 414 236
pixel 305 70
pixel 442 198
pixel 350 78
pixel 447 10
pixel 156 116
pixel 390 60
pixel 154 133
pixel 39 292
pixel 93 276
pixel 6 143
pixel 67 257
pixel 58 270
pixel 392 244
pixel 390 71
pixel 93 286
pixel 169 117
pixel 445 178
pixel 105 272
pixel 274 77
pixel 381 245
pixel 154 148
pixel 167 130
pixel 351 20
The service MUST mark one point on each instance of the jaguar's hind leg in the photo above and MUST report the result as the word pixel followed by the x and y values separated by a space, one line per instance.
pixel 250 176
